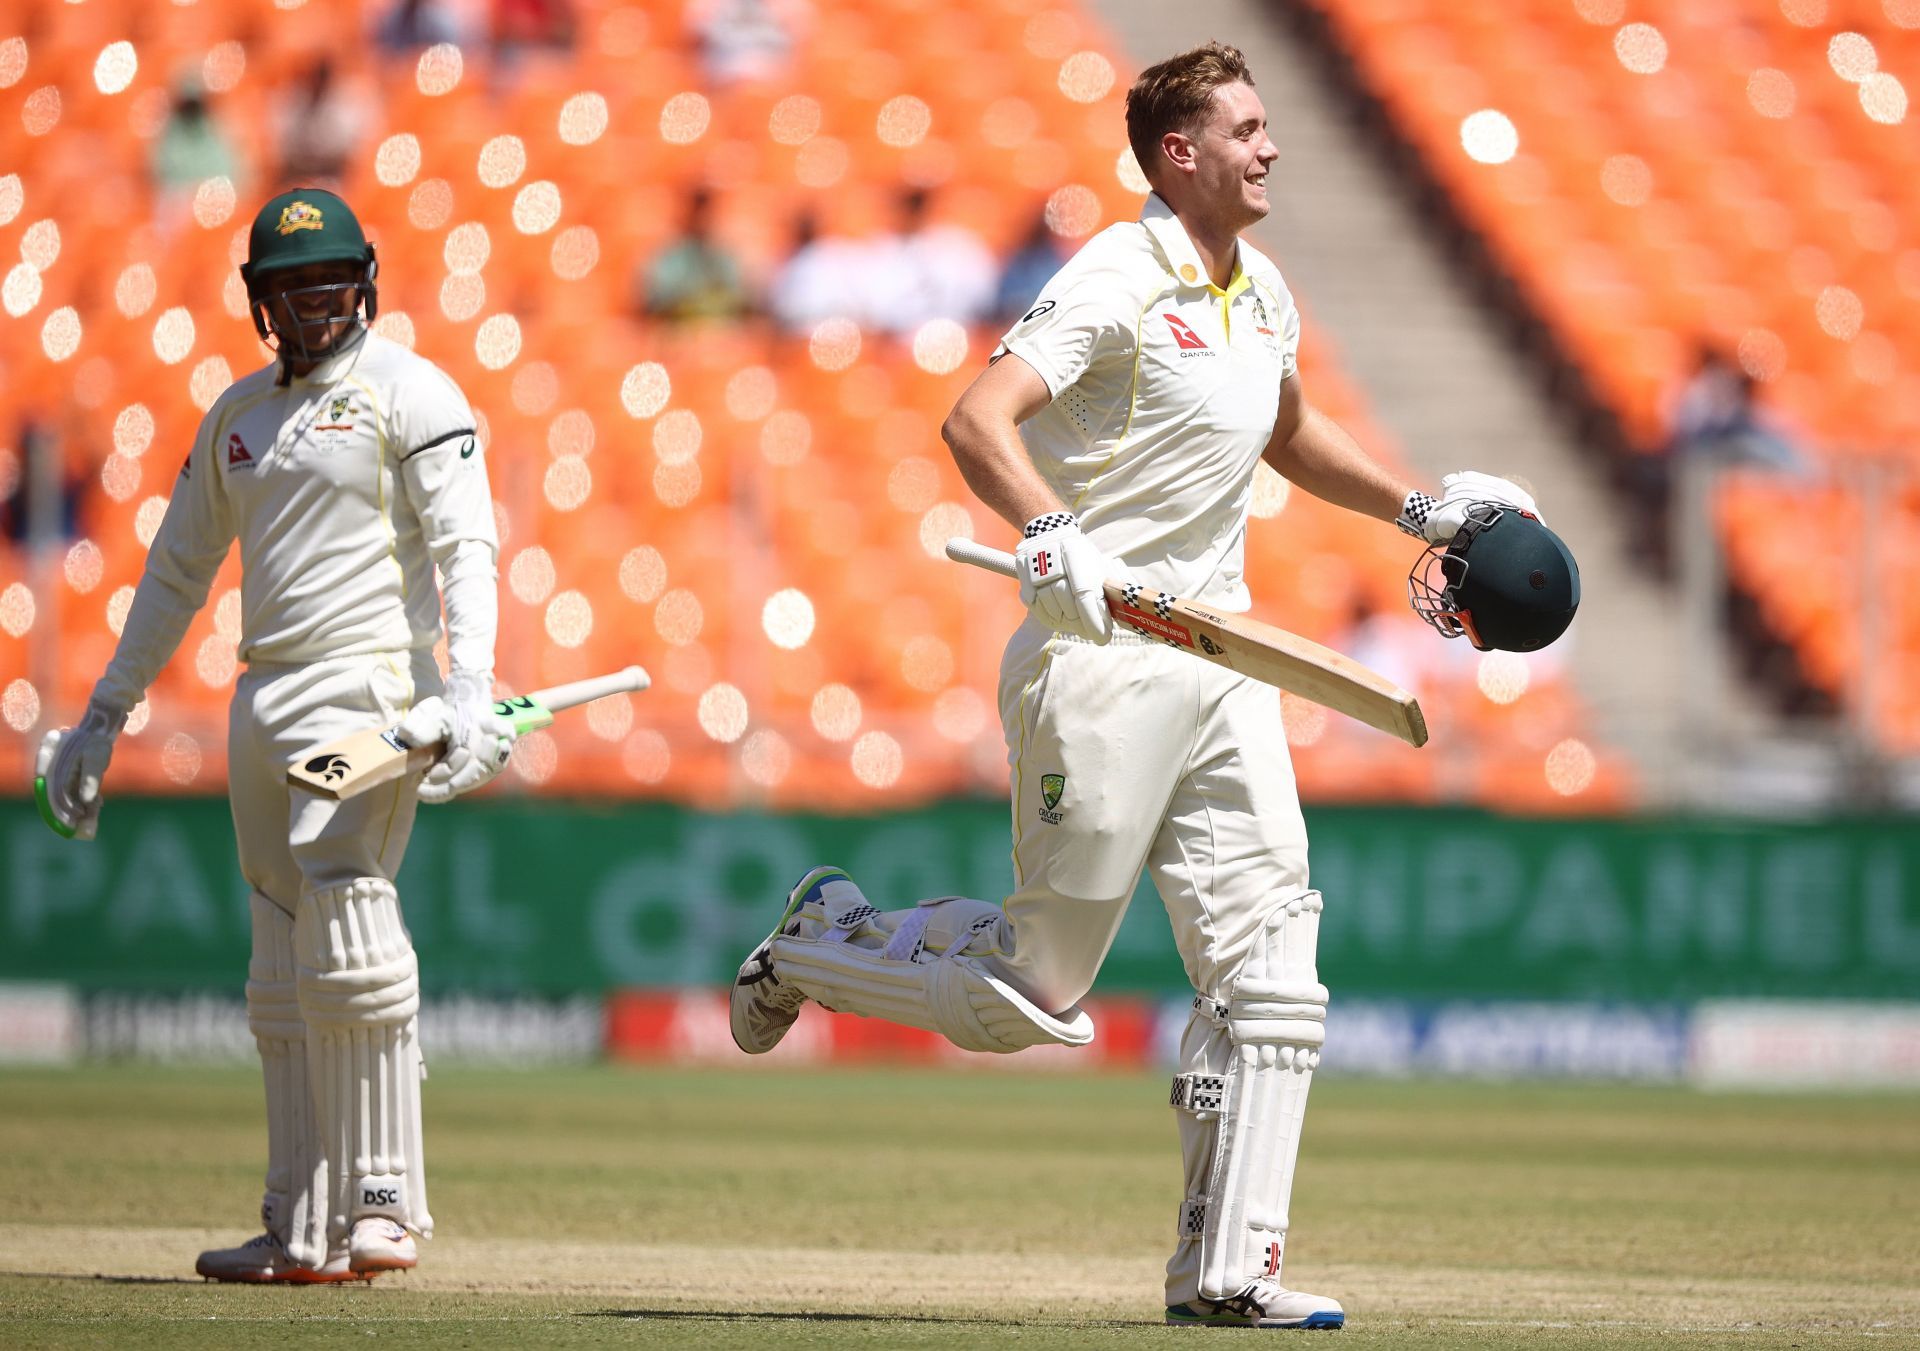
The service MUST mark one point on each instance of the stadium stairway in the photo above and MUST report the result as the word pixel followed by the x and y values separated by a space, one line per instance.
pixel 1441 377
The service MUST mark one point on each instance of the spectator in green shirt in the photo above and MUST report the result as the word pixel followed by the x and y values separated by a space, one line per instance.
pixel 696 277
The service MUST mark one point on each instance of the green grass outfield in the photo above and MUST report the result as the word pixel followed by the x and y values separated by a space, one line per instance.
pixel 914 1208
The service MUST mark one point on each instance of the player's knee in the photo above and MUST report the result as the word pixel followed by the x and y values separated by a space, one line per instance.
pixel 273 996
pixel 357 965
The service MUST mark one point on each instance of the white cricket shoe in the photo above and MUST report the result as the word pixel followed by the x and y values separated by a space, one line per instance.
pixel 263 1260
pixel 1264 1304
pixel 379 1244
pixel 762 1006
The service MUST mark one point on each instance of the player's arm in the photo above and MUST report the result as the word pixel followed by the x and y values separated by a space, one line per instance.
pixel 981 431
pixel 444 475
pixel 1315 453
pixel 187 550
pixel 1062 572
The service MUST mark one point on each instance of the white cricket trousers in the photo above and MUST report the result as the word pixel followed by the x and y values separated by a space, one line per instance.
pixel 293 842
pixel 1136 755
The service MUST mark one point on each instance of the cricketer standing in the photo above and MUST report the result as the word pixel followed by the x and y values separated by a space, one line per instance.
pixel 348 470
pixel 1118 426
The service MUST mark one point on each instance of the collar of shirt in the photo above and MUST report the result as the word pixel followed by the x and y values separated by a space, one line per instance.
pixel 1176 246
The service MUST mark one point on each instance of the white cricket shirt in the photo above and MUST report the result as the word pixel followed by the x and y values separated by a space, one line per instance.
pixel 1165 390
pixel 344 487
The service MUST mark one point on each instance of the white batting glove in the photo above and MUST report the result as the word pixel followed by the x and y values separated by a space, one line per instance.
pixel 478 740
pixel 1063 577
pixel 71 763
pixel 1437 522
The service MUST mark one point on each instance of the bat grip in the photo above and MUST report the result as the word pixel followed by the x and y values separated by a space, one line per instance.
pixel 577 692
pixel 980 556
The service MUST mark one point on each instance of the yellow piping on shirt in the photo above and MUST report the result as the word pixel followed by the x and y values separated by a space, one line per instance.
pixel 380 481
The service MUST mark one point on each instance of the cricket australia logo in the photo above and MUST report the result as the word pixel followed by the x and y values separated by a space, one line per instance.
pixel 1052 786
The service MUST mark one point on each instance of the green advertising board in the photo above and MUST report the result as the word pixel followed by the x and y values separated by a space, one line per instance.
pixel 555 897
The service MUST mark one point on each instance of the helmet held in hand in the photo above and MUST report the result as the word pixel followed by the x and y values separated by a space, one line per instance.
pixel 1504 581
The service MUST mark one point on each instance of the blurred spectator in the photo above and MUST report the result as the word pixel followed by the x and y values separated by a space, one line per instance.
pixel 1714 417
pixel 40 488
pixel 928 271
pixel 320 127
pixel 524 25
pixel 1027 272
pixel 190 149
pixel 413 24
pixel 696 277
pixel 821 279
pixel 1405 650
pixel 746 41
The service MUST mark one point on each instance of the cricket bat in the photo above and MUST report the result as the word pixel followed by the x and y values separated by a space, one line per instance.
pixel 353 764
pixel 1297 665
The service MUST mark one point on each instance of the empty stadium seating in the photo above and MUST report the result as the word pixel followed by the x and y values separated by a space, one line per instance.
pixel 1746 174
pixel 756 518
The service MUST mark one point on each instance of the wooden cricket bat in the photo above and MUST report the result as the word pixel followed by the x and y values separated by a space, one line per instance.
pixel 351 765
pixel 1286 660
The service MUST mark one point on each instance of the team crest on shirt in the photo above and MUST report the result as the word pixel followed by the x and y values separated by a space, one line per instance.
pixel 339 415
pixel 1052 787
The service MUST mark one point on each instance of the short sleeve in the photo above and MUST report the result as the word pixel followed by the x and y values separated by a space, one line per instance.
pixel 1084 316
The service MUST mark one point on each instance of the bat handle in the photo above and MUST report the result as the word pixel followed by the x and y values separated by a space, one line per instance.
pixel 628 680
pixel 980 556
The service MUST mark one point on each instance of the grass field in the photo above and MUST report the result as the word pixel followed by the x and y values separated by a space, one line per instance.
pixel 780 1209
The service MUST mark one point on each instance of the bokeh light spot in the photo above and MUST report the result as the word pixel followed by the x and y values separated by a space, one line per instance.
pixel 643 574
pixel 115 67
pixel 569 619
pixel 835 344
pixel 397 162
pixel 1085 77
pixel 677 436
pixel 903 121
pixel 536 208
pixel 576 252
pixel 430 204
pixel 1771 93
pixel 684 118
pixel 795 120
pixel 1073 211
pixel 531 576
pixel 439 69
pixel 877 760
pixel 134 290
pixel 785 437
pixel 583 119
pixel 1570 767
pixel 722 712
pixel 679 617
pixel 645 390
pixel 787 619
pixel 835 712
pixel 1489 136
pixel 568 483
pixel 1641 48
pixel 83 566
pixel 497 342
pixel 944 521
pixel 940 346
pixel 60 334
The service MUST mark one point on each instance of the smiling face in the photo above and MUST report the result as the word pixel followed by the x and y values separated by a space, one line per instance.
pixel 1231 156
pixel 311 308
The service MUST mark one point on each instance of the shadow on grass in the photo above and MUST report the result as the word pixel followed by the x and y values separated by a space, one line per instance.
pixel 793 1316
pixel 357 1283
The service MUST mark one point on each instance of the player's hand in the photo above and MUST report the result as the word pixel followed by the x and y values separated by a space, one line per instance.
pixel 1438 522
pixel 478 740
pixel 1063 577
pixel 70 765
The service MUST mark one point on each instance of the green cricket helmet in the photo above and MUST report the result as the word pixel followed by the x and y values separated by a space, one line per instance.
pixel 1504 580
pixel 294 229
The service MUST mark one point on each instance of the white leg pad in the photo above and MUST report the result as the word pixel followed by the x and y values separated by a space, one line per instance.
pixel 1275 1019
pixel 294 1208
pixel 924 967
pixel 360 994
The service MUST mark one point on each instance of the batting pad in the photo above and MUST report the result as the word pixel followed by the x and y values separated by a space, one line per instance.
pixel 1275 1022
pixel 360 994
pixel 920 967
pixel 294 1208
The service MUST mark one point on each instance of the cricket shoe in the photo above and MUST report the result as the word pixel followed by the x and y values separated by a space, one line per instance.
pixel 1264 1304
pixel 763 1006
pixel 263 1260
pixel 379 1244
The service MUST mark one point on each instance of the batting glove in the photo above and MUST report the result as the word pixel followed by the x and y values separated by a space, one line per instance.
pixel 1063 577
pixel 478 739
pixel 70 765
pixel 1437 522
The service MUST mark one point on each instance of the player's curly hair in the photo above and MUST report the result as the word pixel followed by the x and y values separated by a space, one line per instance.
pixel 1176 94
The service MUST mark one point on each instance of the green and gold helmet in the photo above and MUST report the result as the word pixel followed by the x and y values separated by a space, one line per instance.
pixel 296 229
